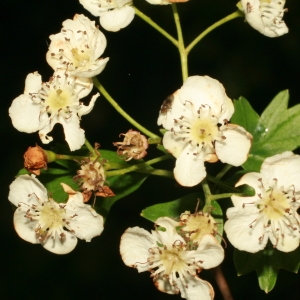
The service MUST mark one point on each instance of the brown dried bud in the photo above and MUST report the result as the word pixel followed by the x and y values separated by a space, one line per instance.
pixel 133 146
pixel 35 158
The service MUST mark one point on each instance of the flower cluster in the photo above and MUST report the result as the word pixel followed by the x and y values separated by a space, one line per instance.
pixel 174 260
pixel 38 219
pixel 196 117
pixel 74 56
pixel 271 214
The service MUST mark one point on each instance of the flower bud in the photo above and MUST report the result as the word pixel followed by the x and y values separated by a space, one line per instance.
pixel 34 159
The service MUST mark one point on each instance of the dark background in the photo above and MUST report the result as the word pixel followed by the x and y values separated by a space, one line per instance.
pixel 143 69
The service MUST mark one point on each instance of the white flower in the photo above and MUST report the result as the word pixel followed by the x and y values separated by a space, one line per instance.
pixel 266 16
pixel 197 117
pixel 114 14
pixel 77 48
pixel 44 104
pixel 172 265
pixel 272 213
pixel 56 226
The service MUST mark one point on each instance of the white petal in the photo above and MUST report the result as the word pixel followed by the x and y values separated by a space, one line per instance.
pixel 163 285
pixel 85 109
pixel 24 227
pixel 87 223
pixel 23 187
pixel 26 116
pixel 33 83
pixel 209 252
pixel 118 18
pixel 204 90
pixel 284 167
pixel 134 248
pixel 287 242
pixel 189 169
pixel 252 179
pixel 96 68
pixel 238 230
pixel 173 144
pixel 177 109
pixel 267 18
pixel 57 246
pixel 235 148
pixel 168 236
pixel 74 135
pixel 196 289
pixel 91 6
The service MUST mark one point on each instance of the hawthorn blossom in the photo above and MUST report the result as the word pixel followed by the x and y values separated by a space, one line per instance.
pixel 265 16
pixel 77 48
pixel 271 214
pixel 114 14
pixel 166 255
pixel 196 117
pixel 57 101
pixel 38 219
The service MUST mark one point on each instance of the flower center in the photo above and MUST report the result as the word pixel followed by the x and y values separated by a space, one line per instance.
pixel 58 96
pixel 204 131
pixel 172 262
pixel 277 210
pixel 200 130
pixel 195 226
pixel 275 203
pixel 51 216
pixel 58 99
pixel 80 58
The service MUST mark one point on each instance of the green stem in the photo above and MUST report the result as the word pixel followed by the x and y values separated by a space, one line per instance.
pixel 155 26
pixel 158 172
pixel 223 171
pixel 220 183
pixel 230 17
pixel 69 157
pixel 137 166
pixel 223 196
pixel 206 190
pixel 154 141
pixel 121 111
pixel 90 148
pixel 182 51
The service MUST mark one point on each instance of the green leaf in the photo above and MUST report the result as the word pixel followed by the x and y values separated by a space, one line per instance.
pixel 52 179
pixel 175 208
pixel 121 186
pixel 266 263
pixel 273 133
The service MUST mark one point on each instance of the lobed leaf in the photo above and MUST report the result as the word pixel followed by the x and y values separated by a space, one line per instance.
pixel 273 133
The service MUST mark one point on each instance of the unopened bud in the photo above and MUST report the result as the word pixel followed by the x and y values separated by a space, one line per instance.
pixel 35 158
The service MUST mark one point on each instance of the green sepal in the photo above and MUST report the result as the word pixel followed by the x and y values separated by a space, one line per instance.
pixel 273 133
pixel 266 263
